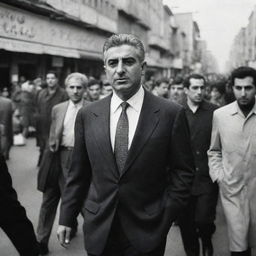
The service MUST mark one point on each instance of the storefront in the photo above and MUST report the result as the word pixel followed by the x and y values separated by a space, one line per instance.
pixel 30 44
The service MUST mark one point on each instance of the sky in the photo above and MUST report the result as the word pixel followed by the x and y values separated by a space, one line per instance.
pixel 219 21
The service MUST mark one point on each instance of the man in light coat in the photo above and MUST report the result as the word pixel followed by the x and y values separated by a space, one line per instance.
pixel 232 160
pixel 61 141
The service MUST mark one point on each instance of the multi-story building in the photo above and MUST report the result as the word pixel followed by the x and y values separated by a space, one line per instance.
pixel 243 50
pixel 68 35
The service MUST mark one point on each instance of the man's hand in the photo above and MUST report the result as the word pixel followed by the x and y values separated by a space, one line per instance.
pixel 63 234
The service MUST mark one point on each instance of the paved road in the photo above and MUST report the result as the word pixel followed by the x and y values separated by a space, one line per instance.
pixel 22 166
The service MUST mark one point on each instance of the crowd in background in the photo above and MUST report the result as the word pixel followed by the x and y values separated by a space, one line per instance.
pixel 24 98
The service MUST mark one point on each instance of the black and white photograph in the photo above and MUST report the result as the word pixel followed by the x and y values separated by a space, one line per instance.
pixel 128 128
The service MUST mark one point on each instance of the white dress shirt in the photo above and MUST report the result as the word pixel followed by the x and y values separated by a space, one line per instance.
pixel 133 114
pixel 68 134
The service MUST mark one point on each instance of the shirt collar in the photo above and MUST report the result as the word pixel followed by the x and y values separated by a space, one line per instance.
pixel 135 101
pixel 235 109
pixel 77 105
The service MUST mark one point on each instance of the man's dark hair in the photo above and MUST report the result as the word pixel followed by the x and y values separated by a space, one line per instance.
pixel 161 80
pixel 52 72
pixel 125 39
pixel 243 72
pixel 186 82
pixel 177 80
pixel 93 82
pixel 219 86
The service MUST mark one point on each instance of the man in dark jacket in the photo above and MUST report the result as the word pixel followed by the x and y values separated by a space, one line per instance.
pixel 198 221
pixel 46 99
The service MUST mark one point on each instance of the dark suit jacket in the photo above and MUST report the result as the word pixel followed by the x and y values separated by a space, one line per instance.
pixel 200 124
pixel 155 183
pixel 49 158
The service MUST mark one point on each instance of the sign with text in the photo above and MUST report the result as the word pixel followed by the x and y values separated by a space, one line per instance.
pixel 43 32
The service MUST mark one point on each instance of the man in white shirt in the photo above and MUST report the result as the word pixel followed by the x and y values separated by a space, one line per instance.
pixel 61 143
pixel 132 166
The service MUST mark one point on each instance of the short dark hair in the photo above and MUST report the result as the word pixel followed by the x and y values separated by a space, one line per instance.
pixel 161 80
pixel 186 81
pixel 52 72
pixel 93 81
pixel 219 86
pixel 122 39
pixel 243 72
pixel 177 80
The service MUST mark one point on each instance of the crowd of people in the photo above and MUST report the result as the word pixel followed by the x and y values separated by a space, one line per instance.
pixel 133 157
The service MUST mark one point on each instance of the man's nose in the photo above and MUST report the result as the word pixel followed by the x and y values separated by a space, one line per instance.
pixel 120 67
pixel 243 92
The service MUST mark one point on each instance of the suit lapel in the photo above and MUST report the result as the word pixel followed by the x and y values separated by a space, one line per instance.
pixel 147 123
pixel 102 133
pixel 60 120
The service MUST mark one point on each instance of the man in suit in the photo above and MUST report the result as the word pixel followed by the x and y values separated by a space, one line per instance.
pixel 132 166
pixel 13 218
pixel 61 142
pixel 6 121
pixel 232 161
pixel 198 221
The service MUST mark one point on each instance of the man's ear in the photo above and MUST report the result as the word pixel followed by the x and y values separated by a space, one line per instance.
pixel 143 67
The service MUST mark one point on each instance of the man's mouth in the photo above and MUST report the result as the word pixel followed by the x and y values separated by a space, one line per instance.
pixel 121 80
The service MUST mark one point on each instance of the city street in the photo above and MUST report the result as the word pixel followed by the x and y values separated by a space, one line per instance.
pixel 22 166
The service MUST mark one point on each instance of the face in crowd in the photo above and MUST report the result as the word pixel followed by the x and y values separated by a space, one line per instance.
pixel 177 92
pixel 244 91
pixel 51 80
pixel 162 89
pixel 75 86
pixel 94 91
pixel 195 91
pixel 124 66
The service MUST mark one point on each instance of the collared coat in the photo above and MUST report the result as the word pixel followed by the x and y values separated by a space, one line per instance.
pixel 58 115
pixel 232 162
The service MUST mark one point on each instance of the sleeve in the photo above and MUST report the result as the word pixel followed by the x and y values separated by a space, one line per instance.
pixel 52 139
pixel 181 162
pixel 79 177
pixel 215 153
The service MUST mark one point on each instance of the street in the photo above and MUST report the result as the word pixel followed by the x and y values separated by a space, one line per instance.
pixel 22 166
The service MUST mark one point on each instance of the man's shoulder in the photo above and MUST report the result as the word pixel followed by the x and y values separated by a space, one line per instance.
pixel 209 106
pixel 162 102
pixel 5 101
pixel 225 110
pixel 60 106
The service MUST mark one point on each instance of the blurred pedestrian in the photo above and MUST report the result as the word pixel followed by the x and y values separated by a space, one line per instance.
pixel 232 161
pixel 106 89
pixel 161 88
pixel 46 99
pixel 61 142
pixel 5 92
pixel 129 205
pixel 197 222
pixel 13 218
pixel 93 90
pixel 176 92
pixel 218 90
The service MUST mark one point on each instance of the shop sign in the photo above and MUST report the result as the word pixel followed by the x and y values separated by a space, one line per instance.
pixel 45 34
